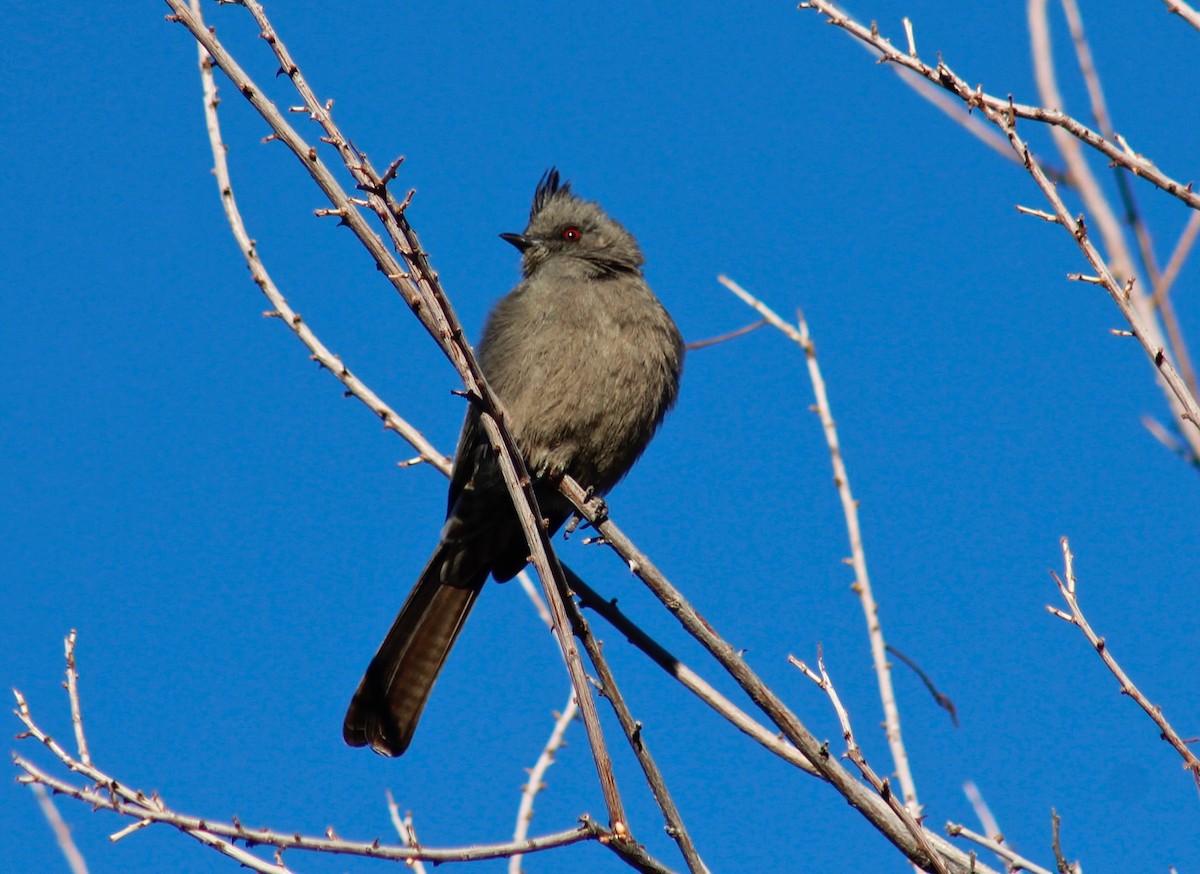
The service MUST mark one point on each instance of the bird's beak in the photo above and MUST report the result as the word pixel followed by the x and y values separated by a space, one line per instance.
pixel 521 241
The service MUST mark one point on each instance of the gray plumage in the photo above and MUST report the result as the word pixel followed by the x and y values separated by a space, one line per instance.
pixel 587 362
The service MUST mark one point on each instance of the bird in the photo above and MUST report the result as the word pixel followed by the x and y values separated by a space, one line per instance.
pixel 586 361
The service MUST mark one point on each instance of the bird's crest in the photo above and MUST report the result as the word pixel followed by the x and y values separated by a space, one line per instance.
pixel 547 188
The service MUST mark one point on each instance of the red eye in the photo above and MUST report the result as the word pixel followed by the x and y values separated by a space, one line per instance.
pixel 572 235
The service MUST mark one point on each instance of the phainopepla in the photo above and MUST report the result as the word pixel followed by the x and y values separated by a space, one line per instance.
pixel 587 363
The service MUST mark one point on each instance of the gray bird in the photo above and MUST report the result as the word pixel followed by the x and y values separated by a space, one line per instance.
pixel 587 363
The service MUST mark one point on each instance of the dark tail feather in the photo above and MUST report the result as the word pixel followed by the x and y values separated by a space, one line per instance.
pixel 389 700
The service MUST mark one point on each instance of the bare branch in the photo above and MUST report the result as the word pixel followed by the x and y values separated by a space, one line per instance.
pixel 636 738
pixel 860 797
pixel 107 793
pixel 1184 11
pixel 1014 860
pixel 535 785
pixel 421 290
pixel 855 754
pixel 686 676
pixel 1074 615
pixel 858 556
pixel 1004 114
pixel 943 77
pixel 404 828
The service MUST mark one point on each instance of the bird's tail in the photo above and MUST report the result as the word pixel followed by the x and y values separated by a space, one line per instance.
pixel 388 702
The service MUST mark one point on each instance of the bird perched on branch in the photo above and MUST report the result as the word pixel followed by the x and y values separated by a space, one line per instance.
pixel 587 362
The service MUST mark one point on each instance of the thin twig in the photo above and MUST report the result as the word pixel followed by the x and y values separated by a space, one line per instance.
pixel 858 556
pixel 1074 615
pixel 534 784
pixel 1064 867
pixel 108 793
pixel 73 696
pixel 855 754
pixel 406 832
pixel 861 797
pixel 280 307
pixel 943 77
pixel 722 338
pixel 1013 860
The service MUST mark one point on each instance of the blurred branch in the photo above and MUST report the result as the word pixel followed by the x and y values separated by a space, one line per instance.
pixel 1162 301
pixel 1078 169
pixel 1099 106
pixel 941 699
pixel 535 598
pixel 62 831
pixel 994 839
pixel 1143 296
pixel 713 341
pixel 858 556
pixel 982 811
pixel 1074 615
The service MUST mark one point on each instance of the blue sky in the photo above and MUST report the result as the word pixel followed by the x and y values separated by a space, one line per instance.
pixel 231 537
